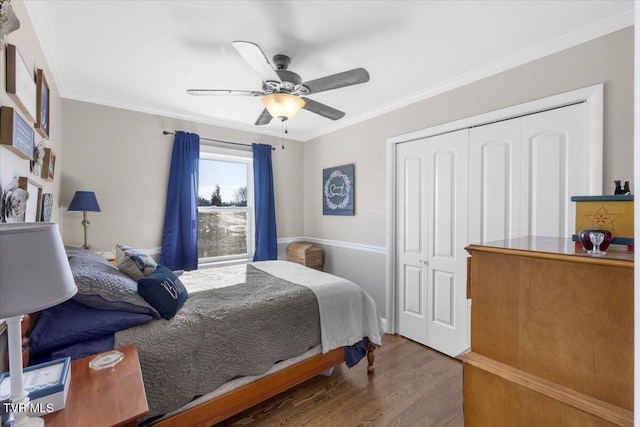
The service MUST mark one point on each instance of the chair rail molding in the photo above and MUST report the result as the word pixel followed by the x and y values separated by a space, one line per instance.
pixel 335 243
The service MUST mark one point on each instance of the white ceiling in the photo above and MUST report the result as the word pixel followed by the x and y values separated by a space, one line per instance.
pixel 143 55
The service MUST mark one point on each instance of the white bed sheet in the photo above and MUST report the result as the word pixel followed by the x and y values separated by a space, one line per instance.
pixel 347 312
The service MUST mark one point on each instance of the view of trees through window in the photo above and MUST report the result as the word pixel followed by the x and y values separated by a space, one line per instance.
pixel 239 198
pixel 222 208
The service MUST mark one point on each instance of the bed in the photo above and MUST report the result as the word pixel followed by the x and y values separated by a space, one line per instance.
pixel 230 338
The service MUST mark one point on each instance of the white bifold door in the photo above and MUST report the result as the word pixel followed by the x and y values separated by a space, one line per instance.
pixel 498 181
pixel 524 172
pixel 432 175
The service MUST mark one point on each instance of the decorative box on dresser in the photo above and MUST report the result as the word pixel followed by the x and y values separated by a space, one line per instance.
pixel 551 336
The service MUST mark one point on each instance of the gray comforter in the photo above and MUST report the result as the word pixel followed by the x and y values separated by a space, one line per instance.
pixel 220 334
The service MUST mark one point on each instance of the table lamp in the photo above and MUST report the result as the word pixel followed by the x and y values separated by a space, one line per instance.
pixel 84 201
pixel 34 275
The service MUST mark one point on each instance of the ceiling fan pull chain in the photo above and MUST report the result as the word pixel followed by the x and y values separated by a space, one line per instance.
pixel 282 133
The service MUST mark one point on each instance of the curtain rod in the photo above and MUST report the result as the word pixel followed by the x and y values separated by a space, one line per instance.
pixel 164 132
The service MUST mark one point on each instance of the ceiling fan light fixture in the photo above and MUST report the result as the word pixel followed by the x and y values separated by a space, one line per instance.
pixel 283 105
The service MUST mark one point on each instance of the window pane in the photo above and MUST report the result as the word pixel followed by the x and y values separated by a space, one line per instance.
pixel 222 183
pixel 221 233
pixel 222 226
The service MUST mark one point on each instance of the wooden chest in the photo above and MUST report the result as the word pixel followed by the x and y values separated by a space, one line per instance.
pixel 306 254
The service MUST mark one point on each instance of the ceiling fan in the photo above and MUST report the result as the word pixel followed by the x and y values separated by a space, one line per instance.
pixel 283 92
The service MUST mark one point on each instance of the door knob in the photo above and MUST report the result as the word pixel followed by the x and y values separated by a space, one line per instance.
pixel 423 262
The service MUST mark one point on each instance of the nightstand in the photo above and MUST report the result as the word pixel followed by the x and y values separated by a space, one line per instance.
pixel 111 397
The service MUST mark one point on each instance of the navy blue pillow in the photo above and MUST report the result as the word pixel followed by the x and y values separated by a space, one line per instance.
pixel 71 322
pixel 163 291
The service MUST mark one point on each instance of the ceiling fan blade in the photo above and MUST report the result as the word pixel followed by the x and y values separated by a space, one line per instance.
pixel 322 109
pixel 336 81
pixel 252 53
pixel 218 92
pixel 264 118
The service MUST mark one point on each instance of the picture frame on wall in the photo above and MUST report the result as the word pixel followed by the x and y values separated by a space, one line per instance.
pixel 338 190
pixel 38 158
pixel 47 207
pixel 14 201
pixel 48 164
pixel 15 133
pixel 42 104
pixel 32 211
pixel 20 85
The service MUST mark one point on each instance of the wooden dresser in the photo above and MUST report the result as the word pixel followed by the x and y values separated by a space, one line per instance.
pixel 551 336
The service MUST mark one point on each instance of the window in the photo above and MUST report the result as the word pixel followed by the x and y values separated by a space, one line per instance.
pixel 225 207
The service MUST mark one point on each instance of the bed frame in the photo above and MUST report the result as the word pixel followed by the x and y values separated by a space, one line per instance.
pixel 242 398
pixel 236 401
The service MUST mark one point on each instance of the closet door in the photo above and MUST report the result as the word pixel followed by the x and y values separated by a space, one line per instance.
pixel 411 235
pixel 431 212
pixel 447 209
pixel 523 173
pixel 554 165
pixel 494 181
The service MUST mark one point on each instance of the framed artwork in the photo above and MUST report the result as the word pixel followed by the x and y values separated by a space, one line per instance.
pixel 46 381
pixel 337 190
pixel 14 200
pixel 48 164
pixel 38 159
pixel 47 206
pixel 20 85
pixel 42 104
pixel 15 133
pixel 33 207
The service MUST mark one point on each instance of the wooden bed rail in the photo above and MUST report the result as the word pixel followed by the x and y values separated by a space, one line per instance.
pixel 236 401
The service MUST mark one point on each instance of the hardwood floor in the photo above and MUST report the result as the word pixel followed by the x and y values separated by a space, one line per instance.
pixel 412 386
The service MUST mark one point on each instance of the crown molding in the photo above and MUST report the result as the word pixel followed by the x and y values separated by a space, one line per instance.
pixel 599 29
pixel 44 32
pixel 77 96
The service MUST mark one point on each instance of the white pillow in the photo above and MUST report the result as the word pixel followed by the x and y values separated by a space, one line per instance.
pixel 135 263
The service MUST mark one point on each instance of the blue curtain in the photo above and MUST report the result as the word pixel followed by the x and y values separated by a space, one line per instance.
pixel 180 237
pixel 266 236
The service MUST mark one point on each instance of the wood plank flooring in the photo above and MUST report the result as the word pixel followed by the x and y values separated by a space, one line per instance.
pixel 412 386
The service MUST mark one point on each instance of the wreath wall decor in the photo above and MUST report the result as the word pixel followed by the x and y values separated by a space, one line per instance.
pixel 337 191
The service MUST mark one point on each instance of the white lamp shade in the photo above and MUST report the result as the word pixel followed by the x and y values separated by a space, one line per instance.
pixel 283 105
pixel 34 270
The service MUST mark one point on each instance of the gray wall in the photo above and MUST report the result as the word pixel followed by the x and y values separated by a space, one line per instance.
pixel 607 60
pixel 123 156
